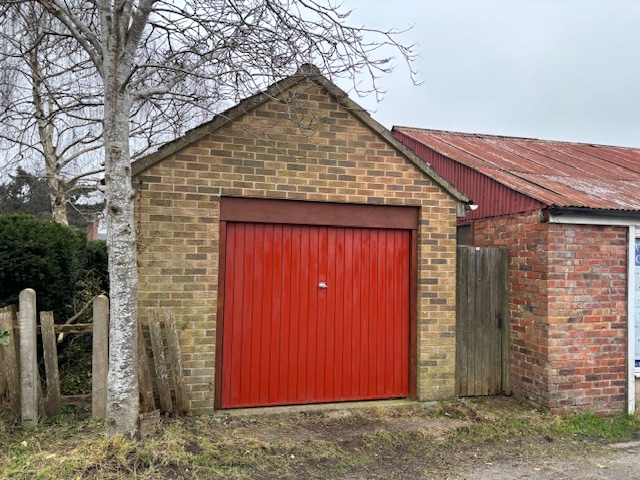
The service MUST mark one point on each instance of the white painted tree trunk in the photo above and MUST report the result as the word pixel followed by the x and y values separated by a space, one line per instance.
pixel 122 397
pixel 122 392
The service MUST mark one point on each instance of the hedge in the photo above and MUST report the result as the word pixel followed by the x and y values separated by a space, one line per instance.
pixel 56 261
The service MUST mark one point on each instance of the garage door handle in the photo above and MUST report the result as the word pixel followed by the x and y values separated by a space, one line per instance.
pixel 322 285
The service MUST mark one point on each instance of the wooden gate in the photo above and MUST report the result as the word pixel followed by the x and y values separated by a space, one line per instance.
pixel 482 324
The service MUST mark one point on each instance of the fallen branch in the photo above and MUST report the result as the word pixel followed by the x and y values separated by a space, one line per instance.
pixel 78 315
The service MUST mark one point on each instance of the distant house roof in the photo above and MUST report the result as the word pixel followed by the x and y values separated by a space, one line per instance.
pixel 306 72
pixel 557 174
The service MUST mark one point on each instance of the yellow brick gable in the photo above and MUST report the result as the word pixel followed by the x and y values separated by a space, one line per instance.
pixel 303 145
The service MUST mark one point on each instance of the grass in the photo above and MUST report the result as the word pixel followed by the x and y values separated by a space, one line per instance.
pixel 611 429
pixel 418 441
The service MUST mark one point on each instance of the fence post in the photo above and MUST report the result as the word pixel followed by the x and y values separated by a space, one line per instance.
pixel 10 357
pixel 29 376
pixel 100 366
pixel 51 363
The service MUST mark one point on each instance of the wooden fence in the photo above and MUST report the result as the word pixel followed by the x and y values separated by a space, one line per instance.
pixel 20 378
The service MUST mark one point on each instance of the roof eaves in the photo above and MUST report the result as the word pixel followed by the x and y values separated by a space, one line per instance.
pixel 566 210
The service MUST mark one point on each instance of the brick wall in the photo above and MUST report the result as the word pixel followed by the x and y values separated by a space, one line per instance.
pixel 587 318
pixel 567 311
pixel 326 155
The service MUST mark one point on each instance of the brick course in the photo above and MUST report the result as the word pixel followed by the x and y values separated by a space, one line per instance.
pixel 326 155
pixel 567 311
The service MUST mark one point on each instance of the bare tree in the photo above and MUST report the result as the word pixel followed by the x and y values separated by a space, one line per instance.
pixel 175 57
pixel 51 103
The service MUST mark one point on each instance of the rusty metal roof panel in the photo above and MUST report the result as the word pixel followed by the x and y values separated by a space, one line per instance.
pixel 583 163
pixel 554 173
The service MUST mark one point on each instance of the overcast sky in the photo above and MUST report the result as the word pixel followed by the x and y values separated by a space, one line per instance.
pixel 549 69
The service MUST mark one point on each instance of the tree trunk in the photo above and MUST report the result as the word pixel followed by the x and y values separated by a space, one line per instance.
pixel 56 187
pixel 123 402
pixel 122 390
pixel 57 196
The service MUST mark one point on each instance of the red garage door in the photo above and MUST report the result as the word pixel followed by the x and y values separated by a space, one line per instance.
pixel 314 314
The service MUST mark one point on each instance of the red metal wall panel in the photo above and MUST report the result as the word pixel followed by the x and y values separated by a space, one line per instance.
pixel 288 341
pixel 493 198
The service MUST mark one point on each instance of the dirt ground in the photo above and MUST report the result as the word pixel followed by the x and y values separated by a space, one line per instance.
pixel 436 446
pixel 488 438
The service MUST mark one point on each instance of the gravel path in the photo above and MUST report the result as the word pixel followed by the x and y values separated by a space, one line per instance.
pixel 622 464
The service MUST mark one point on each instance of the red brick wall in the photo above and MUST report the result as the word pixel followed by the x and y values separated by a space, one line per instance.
pixel 567 311
pixel 587 318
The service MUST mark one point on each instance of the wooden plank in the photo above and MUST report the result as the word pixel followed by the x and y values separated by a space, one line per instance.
pixel 157 347
pixel 460 296
pixel 494 357
pixel 51 364
pixel 74 328
pixel 4 387
pixel 16 332
pixel 497 296
pixel 484 326
pixel 10 357
pixel 29 377
pixel 505 351
pixel 175 362
pixel 471 330
pixel 149 423
pixel 41 410
pixel 469 334
pixel 4 384
pixel 144 375
pixel 79 400
pixel 462 263
pixel 100 357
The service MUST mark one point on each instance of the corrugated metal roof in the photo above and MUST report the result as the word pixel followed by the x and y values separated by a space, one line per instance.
pixel 561 174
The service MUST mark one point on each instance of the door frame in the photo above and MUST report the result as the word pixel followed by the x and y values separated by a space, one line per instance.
pixel 295 212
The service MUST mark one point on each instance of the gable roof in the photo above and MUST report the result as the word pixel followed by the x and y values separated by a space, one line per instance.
pixel 557 174
pixel 306 72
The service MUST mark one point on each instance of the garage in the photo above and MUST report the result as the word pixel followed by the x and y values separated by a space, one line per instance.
pixel 244 220
pixel 316 302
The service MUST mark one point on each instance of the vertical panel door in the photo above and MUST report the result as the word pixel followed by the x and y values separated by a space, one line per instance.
pixel 482 316
pixel 314 314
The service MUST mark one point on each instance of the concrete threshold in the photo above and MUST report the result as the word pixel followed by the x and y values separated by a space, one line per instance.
pixel 321 407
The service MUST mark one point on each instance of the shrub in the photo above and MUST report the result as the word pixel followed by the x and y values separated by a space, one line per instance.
pixel 56 261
